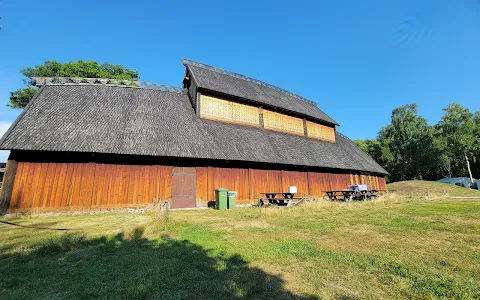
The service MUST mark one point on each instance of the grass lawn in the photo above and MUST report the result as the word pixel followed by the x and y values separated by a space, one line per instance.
pixel 431 188
pixel 386 248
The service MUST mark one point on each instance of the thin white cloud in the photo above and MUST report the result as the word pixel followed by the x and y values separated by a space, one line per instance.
pixel 3 128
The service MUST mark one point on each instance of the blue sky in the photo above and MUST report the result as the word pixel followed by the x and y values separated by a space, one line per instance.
pixel 357 59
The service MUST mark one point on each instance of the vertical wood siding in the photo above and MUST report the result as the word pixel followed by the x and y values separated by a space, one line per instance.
pixel 262 181
pixel 382 184
pixel 70 185
pixel 251 183
pixel 92 185
pixel 293 178
pixel 318 183
pixel 209 179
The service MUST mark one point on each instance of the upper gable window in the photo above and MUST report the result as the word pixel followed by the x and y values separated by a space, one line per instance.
pixel 283 123
pixel 218 109
pixel 321 132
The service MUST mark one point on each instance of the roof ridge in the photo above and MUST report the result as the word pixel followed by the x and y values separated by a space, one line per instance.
pixel 344 136
pixel 246 78
pixel 41 81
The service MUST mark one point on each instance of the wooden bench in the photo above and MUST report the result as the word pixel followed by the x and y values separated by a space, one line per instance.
pixel 286 198
pixel 348 195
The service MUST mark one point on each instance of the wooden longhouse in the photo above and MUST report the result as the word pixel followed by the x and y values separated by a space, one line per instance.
pixel 92 144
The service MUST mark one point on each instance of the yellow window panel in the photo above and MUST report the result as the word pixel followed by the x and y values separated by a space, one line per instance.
pixel 321 132
pixel 222 110
pixel 284 123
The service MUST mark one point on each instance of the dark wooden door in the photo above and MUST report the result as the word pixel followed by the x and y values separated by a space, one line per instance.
pixel 184 182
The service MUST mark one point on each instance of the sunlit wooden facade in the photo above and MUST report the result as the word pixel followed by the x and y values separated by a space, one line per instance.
pixel 95 146
pixel 78 186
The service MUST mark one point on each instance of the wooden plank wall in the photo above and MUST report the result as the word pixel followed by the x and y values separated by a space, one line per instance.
pixel 293 178
pixel 90 185
pixel 318 183
pixel 250 183
pixel 261 181
pixel 209 179
pixel 382 184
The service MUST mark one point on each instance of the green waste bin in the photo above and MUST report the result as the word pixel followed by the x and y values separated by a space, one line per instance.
pixel 221 198
pixel 232 197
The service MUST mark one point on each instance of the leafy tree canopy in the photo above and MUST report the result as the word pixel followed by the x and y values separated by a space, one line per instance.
pixel 456 138
pixel 409 148
pixel 408 138
pixel 80 68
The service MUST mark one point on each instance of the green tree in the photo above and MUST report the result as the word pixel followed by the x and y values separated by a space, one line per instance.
pixel 379 152
pixel 409 140
pixel 82 69
pixel 362 144
pixel 457 134
pixel 21 97
pixel 411 149
pixel 476 146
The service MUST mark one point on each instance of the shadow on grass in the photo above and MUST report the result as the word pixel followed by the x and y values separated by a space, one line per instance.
pixel 35 226
pixel 132 267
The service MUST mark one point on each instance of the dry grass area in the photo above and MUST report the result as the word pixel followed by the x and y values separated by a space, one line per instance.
pixel 431 189
pixel 386 248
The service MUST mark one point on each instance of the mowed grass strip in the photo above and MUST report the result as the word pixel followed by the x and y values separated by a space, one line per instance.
pixel 387 248
pixel 431 189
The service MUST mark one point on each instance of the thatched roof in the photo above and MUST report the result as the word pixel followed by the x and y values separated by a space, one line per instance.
pixel 140 121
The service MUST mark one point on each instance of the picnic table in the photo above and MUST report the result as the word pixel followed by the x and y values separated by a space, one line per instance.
pixel 348 195
pixel 283 199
